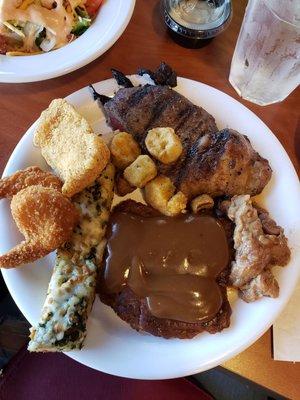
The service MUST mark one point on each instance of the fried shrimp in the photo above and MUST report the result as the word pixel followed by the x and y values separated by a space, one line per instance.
pixel 46 219
pixel 30 176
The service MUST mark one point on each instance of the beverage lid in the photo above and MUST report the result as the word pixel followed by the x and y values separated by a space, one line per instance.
pixel 197 19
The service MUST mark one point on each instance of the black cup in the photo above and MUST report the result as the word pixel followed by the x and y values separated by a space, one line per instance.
pixel 196 34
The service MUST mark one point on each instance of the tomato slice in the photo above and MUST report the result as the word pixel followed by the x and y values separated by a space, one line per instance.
pixel 92 6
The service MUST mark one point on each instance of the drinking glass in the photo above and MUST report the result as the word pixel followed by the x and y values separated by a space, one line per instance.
pixel 265 67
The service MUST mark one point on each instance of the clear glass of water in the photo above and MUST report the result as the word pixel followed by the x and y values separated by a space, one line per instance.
pixel 265 67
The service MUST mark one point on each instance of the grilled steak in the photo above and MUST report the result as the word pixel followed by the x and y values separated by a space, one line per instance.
pixel 139 109
pixel 223 163
pixel 134 310
pixel 217 163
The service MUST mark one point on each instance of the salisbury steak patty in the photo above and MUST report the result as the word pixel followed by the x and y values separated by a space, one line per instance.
pixel 134 310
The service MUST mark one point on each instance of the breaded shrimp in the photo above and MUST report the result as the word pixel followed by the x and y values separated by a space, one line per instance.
pixel 30 176
pixel 46 219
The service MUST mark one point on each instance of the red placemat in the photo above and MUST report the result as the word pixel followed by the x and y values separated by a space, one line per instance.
pixel 54 376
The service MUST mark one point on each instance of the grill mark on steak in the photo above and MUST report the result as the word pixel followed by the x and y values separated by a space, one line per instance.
pixel 159 108
pixel 195 154
pixel 208 156
pixel 137 95
pixel 184 115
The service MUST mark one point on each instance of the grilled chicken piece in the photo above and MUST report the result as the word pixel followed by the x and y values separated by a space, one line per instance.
pixel 256 251
pixel 212 162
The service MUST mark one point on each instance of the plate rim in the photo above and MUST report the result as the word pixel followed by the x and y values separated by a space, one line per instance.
pixel 230 353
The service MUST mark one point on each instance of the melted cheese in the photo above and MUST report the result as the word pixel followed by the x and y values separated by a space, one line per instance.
pixel 71 290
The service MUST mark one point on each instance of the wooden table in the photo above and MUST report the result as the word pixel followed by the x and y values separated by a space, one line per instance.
pixel 145 43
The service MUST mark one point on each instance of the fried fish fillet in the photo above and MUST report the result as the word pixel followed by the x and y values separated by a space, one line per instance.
pixel 46 219
pixel 11 185
pixel 69 146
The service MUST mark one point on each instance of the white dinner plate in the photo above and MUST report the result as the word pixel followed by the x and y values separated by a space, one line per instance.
pixel 111 345
pixel 108 26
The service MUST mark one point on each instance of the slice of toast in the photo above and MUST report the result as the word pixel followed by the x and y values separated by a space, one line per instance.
pixel 70 147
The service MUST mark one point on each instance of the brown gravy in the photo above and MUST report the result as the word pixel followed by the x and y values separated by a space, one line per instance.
pixel 172 262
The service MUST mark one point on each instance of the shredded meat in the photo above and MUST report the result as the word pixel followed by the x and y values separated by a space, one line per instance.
pixel 268 224
pixel 256 250
pixel 264 284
